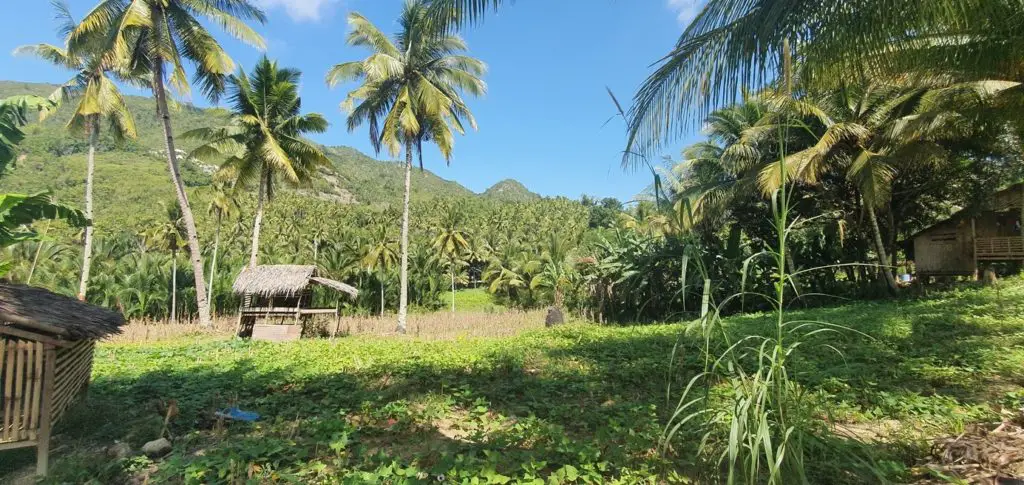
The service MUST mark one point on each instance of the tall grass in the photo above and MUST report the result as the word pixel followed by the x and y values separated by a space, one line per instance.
pixel 757 424
pixel 424 326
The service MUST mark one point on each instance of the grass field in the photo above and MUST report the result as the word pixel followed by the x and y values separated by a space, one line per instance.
pixel 576 404
pixel 476 300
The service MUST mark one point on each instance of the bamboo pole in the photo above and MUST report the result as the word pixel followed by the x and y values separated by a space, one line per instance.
pixel 6 391
pixel 19 383
pixel 30 375
pixel 37 394
pixel 43 446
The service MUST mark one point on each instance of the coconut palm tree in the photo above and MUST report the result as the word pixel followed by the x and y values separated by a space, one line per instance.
pixel 222 204
pixel 452 242
pixel 409 92
pixel 264 140
pixel 167 235
pixel 717 171
pixel 98 99
pixel 19 211
pixel 14 113
pixel 147 37
pixel 379 256
pixel 733 44
pixel 872 132
pixel 553 271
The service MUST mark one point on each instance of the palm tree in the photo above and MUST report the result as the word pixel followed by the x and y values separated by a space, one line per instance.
pixel 18 212
pixel 715 173
pixel 264 139
pixel 379 257
pixel 409 93
pixel 733 44
pixel 14 113
pixel 146 37
pixel 222 204
pixel 871 132
pixel 552 270
pixel 452 242
pixel 167 235
pixel 98 98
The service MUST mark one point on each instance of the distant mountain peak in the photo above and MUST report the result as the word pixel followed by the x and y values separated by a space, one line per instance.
pixel 510 190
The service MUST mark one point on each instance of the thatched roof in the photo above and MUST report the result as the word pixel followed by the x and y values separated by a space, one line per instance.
pixel 45 312
pixel 283 280
pixel 336 285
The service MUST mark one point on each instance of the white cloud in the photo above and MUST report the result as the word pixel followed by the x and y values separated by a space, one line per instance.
pixel 301 10
pixel 685 10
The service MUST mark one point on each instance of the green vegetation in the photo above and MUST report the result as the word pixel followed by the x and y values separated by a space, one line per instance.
pixel 832 135
pixel 98 99
pixel 476 300
pixel 153 40
pixel 579 403
pixel 131 172
pixel 264 141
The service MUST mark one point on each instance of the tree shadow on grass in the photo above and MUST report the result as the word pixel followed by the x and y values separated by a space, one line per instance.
pixel 500 417
pixel 591 398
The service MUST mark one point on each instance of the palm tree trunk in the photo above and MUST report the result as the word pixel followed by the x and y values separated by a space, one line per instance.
pixel 195 256
pixel 883 260
pixel 90 168
pixel 403 298
pixel 382 296
pixel 891 223
pixel 453 287
pixel 213 266
pixel 258 223
pixel 174 287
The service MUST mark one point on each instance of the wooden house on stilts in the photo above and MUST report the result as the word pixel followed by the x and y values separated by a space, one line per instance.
pixel 968 240
pixel 46 351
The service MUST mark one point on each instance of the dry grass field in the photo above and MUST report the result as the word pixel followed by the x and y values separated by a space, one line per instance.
pixel 423 326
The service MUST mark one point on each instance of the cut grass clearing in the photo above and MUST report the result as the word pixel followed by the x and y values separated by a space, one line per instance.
pixel 476 300
pixel 576 404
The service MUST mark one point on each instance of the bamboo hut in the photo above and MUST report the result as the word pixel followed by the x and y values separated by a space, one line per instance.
pixel 959 245
pixel 276 300
pixel 46 352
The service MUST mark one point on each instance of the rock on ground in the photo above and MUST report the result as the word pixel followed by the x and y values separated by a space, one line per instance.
pixel 157 448
pixel 555 317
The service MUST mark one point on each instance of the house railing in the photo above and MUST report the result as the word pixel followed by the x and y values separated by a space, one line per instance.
pixel 999 248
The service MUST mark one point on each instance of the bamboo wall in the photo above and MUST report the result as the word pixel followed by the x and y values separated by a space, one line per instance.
pixel 21 388
pixel 23 385
pixel 74 367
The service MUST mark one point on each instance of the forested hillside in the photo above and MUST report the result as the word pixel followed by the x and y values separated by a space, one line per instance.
pixel 130 172
pixel 346 220
pixel 510 190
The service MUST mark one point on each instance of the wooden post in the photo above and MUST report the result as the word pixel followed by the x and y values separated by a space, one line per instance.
pixel 43 444
pixel 241 311
pixel 974 248
pixel 337 317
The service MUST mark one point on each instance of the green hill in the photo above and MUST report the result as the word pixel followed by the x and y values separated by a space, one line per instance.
pixel 133 173
pixel 511 191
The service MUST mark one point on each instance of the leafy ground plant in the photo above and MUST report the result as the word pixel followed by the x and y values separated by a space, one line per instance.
pixel 577 404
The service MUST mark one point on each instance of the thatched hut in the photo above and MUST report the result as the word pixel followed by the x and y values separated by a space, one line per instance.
pixel 959 245
pixel 46 349
pixel 276 299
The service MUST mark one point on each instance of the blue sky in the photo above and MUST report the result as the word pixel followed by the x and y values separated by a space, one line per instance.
pixel 541 121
